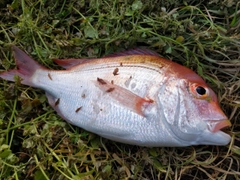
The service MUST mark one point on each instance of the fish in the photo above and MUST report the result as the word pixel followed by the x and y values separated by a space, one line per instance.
pixel 134 97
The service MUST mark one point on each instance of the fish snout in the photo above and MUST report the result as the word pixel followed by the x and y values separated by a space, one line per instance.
pixel 218 120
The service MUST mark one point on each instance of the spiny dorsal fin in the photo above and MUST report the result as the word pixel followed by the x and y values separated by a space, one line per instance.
pixel 135 51
pixel 69 63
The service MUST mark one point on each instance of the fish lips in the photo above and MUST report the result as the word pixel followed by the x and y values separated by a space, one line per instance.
pixel 213 134
pixel 217 125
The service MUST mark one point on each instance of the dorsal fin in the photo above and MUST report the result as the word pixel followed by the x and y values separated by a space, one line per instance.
pixel 135 51
pixel 69 63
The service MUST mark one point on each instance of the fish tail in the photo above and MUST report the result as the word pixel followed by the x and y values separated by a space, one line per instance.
pixel 26 68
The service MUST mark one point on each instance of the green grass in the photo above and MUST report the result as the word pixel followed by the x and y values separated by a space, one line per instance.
pixel 35 143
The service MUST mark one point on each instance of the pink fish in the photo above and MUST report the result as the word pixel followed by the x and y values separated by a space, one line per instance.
pixel 135 97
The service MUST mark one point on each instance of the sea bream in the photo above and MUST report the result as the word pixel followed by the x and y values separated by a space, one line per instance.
pixel 134 97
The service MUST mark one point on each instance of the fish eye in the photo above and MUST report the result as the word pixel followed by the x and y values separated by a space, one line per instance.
pixel 201 90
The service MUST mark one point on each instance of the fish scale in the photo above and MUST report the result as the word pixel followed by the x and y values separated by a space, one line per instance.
pixel 135 97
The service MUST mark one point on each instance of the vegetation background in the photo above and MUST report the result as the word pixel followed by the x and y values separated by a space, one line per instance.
pixel 35 143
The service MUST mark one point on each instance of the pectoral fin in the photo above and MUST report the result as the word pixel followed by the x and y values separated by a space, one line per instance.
pixel 124 96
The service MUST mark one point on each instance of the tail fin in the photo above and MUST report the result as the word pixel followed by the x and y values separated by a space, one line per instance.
pixel 26 67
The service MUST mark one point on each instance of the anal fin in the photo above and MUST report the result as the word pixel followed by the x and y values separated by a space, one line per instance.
pixel 55 105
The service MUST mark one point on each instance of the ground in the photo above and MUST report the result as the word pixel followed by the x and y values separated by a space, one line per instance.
pixel 35 143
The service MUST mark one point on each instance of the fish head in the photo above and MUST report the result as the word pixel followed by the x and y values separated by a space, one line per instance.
pixel 208 114
pixel 194 116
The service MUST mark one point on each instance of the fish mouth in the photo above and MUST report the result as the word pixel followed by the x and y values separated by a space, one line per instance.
pixel 216 125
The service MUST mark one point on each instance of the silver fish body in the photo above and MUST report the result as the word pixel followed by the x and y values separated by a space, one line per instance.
pixel 134 99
